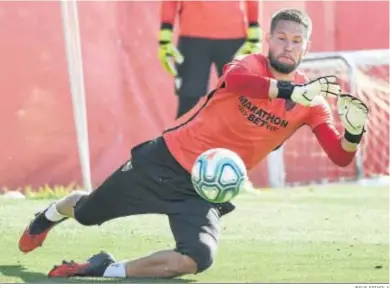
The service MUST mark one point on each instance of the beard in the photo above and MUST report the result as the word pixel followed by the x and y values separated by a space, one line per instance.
pixel 282 67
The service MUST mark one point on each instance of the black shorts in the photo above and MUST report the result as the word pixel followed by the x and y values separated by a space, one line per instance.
pixel 152 182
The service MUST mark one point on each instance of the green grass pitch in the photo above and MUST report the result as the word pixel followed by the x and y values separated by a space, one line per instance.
pixel 330 234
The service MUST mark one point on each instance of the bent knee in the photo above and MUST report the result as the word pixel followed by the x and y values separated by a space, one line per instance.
pixel 204 258
pixel 180 265
pixel 82 214
pixel 199 257
pixel 84 219
pixel 76 196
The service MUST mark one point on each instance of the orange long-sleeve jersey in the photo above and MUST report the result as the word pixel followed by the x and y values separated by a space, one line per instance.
pixel 211 19
pixel 241 117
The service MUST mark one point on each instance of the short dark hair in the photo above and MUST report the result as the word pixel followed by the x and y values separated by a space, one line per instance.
pixel 294 15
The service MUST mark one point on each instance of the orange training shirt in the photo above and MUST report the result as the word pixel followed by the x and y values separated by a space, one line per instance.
pixel 211 19
pixel 250 126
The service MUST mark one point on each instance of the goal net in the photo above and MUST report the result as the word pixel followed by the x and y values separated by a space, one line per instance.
pixel 365 74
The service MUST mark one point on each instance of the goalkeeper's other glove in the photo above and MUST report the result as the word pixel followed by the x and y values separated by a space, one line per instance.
pixel 353 114
pixel 252 42
pixel 167 52
pixel 304 94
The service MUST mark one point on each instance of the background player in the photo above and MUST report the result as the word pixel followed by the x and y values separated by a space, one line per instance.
pixel 256 106
pixel 210 32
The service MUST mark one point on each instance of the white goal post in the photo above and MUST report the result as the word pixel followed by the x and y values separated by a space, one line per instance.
pixel 70 22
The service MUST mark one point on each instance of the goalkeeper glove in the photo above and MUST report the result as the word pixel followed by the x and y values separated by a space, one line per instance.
pixel 167 52
pixel 304 94
pixel 252 42
pixel 353 114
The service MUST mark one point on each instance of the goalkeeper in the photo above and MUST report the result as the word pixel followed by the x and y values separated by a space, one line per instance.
pixel 258 103
pixel 210 32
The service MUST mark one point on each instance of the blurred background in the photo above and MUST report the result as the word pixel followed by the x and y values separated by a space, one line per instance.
pixel 130 98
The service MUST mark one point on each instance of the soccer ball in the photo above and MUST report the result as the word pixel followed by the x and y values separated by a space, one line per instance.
pixel 218 175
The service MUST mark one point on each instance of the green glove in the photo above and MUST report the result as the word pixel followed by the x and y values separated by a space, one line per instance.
pixel 167 52
pixel 252 43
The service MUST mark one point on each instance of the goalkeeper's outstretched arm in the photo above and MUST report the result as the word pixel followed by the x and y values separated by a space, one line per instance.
pixel 338 149
pixel 353 114
pixel 248 76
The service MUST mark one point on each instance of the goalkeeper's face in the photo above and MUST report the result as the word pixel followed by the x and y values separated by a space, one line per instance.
pixel 288 44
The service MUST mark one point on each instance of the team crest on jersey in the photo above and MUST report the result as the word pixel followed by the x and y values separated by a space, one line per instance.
pixel 128 166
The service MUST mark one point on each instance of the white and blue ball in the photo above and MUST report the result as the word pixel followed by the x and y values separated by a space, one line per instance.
pixel 218 175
